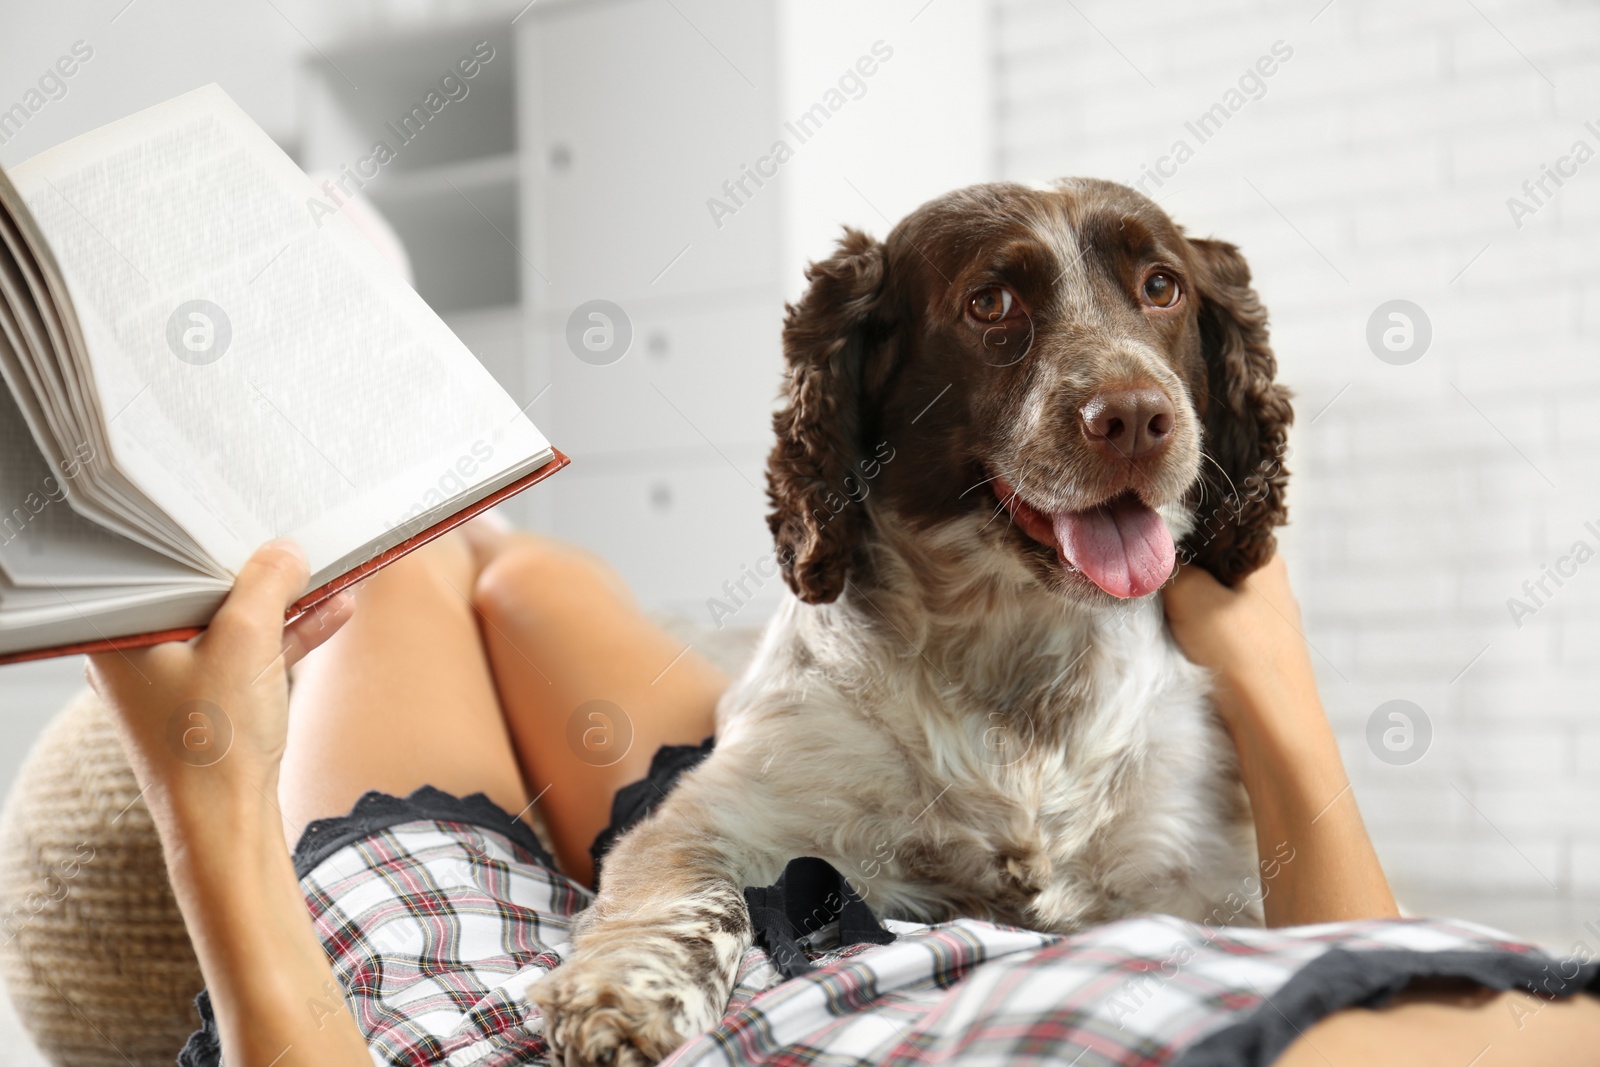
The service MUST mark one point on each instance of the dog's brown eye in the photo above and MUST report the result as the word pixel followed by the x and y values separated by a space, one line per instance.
pixel 992 304
pixel 1161 289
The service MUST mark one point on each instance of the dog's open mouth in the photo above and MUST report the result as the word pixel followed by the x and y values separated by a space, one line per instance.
pixel 1121 545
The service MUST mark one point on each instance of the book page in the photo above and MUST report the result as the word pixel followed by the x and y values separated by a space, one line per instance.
pixel 44 543
pixel 260 369
pixel 34 349
pixel 89 618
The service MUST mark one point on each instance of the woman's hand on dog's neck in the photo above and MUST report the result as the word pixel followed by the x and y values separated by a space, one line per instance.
pixel 1265 691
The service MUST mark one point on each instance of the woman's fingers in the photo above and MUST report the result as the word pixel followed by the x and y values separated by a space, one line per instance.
pixel 316 626
pixel 266 585
pixel 1193 580
pixel 1191 592
pixel 133 668
pixel 1194 592
pixel 1272 583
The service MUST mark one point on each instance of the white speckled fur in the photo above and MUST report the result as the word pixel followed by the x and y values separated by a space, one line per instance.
pixel 954 734
pixel 958 740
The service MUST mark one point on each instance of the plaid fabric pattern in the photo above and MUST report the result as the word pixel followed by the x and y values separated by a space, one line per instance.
pixel 436 930
pixel 1136 992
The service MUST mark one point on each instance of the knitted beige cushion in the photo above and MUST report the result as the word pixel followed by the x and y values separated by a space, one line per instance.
pixel 93 948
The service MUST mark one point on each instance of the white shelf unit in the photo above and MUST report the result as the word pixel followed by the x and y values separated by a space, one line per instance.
pixel 631 114
pixel 448 184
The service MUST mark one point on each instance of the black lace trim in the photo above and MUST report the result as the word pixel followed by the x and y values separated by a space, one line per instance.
pixel 633 803
pixel 378 811
pixel 1341 979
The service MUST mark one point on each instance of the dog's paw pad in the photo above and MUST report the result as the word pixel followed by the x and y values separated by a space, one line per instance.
pixel 593 1019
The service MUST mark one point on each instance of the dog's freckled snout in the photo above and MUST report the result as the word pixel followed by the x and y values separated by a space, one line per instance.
pixel 1130 423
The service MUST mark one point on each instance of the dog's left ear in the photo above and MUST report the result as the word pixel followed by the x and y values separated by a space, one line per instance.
pixel 1246 423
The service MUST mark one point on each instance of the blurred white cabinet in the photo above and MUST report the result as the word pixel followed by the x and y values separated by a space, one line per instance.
pixel 440 100
pixel 681 160
pixel 631 119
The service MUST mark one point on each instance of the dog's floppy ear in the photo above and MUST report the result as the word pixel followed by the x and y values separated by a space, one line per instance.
pixel 1246 423
pixel 816 519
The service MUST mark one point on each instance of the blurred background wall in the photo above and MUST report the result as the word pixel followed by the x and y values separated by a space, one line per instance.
pixel 1415 186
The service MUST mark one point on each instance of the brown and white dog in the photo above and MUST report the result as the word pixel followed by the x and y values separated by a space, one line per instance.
pixel 998 423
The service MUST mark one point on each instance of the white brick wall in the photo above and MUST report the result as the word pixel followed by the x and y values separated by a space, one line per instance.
pixel 1390 141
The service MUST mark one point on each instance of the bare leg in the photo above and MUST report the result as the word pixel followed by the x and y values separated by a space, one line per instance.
pixel 404 696
pixel 401 697
pixel 1452 1026
pixel 591 688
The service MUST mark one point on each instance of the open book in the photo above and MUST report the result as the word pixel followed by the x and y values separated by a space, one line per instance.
pixel 196 363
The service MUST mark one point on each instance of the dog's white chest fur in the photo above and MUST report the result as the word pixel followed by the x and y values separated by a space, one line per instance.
pixel 1044 765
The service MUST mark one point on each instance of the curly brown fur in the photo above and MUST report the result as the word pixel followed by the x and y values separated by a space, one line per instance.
pixel 1246 423
pixel 811 470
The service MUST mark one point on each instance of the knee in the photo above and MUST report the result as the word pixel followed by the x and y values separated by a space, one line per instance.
pixel 537 579
pixel 430 572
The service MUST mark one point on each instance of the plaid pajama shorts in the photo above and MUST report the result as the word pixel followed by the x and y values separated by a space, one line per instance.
pixel 439 912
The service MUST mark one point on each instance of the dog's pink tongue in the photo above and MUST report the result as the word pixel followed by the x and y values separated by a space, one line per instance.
pixel 1123 547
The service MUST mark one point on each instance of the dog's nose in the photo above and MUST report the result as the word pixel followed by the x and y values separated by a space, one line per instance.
pixel 1130 423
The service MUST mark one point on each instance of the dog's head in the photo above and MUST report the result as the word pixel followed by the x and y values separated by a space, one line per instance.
pixel 1066 355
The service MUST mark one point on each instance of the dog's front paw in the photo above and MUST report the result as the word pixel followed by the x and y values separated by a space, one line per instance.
pixel 617 1010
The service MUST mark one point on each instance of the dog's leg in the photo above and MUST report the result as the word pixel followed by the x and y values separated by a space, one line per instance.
pixel 655 955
